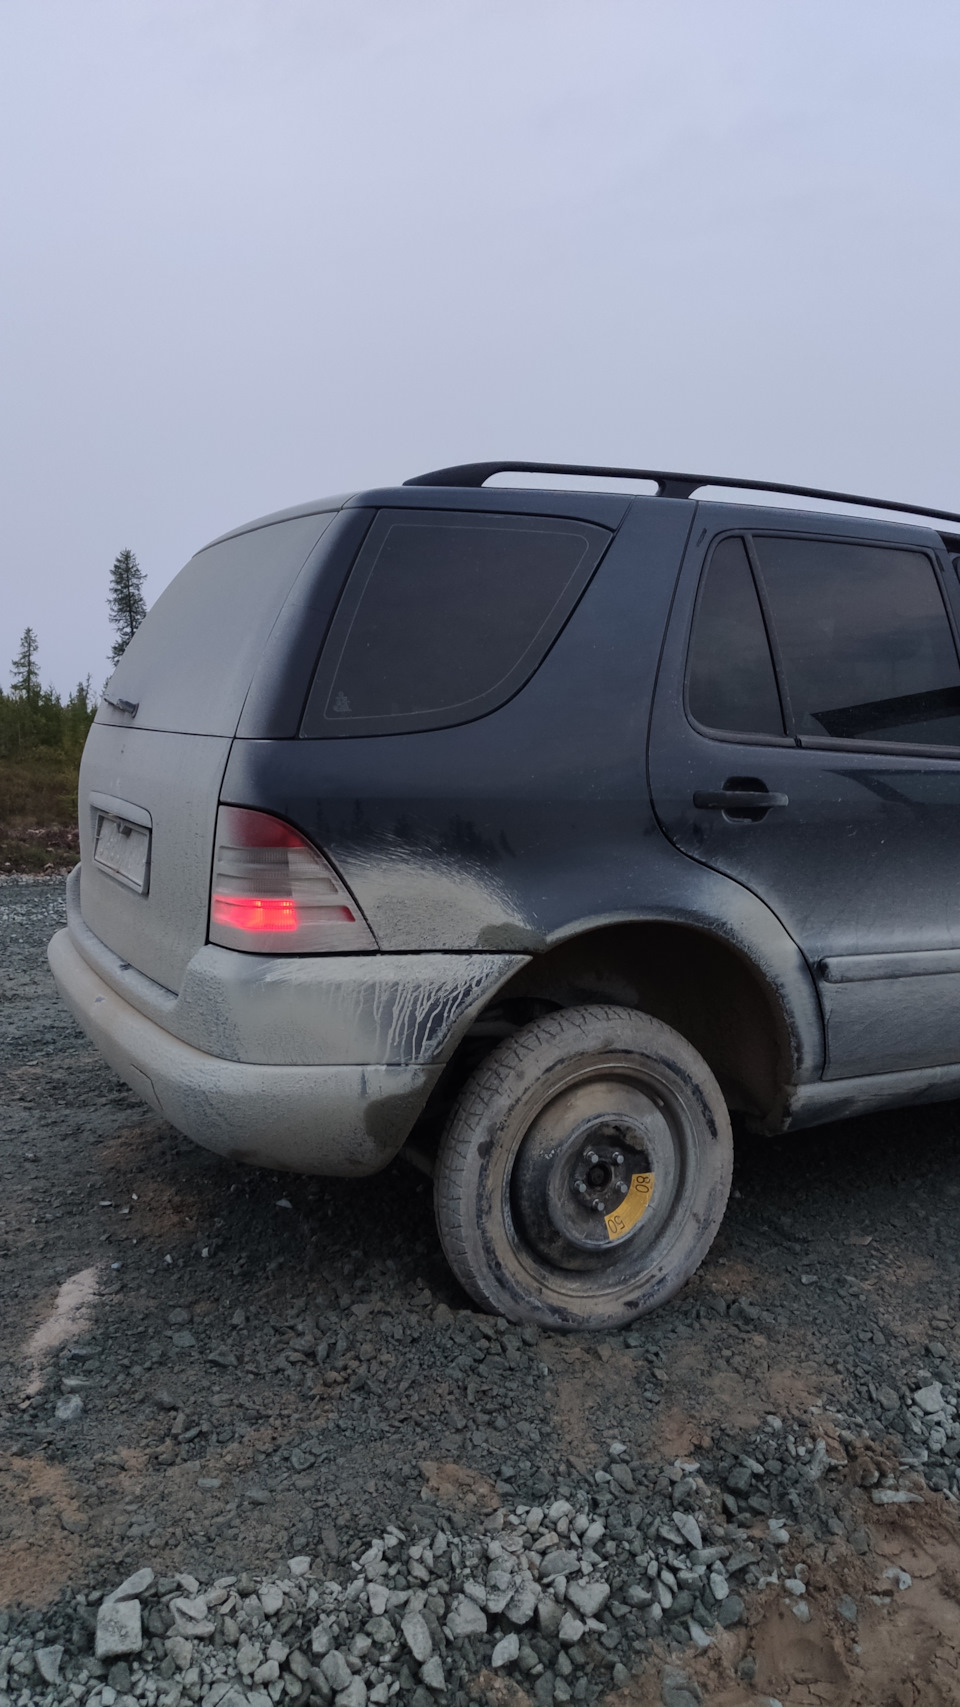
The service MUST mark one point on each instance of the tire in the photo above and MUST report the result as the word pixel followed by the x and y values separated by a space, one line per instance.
pixel 584 1170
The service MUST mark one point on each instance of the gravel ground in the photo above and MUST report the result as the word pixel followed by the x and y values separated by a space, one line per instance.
pixel 257 1447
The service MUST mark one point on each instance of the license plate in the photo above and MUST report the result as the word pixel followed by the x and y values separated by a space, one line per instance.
pixel 123 849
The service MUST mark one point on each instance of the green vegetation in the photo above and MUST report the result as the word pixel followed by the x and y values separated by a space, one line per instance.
pixel 41 740
pixel 42 736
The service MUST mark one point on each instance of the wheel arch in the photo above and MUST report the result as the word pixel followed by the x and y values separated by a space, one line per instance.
pixel 703 985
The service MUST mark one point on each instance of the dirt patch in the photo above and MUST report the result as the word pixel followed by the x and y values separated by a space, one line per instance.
pixel 769 1374
pixel 899 1646
pixel 42 1521
pixel 454 1485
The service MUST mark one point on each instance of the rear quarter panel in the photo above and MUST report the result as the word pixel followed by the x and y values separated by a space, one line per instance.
pixel 501 833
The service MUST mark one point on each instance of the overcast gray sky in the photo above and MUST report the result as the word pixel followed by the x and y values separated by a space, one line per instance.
pixel 258 250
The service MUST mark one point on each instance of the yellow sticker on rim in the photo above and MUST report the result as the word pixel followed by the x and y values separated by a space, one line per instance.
pixel 633 1206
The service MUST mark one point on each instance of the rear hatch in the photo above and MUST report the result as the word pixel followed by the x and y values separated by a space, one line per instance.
pixel 154 760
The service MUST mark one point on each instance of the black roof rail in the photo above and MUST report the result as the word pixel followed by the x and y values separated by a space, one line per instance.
pixel 669 484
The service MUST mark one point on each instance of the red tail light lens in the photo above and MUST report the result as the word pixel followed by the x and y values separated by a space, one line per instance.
pixel 273 893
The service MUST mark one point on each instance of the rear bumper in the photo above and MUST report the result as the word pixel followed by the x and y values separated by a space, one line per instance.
pixel 337 1010
pixel 328 1119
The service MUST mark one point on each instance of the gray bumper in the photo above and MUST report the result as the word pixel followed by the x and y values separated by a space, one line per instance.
pixel 337 1010
pixel 312 1119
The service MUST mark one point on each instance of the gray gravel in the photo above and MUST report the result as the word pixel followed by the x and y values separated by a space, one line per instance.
pixel 327 1478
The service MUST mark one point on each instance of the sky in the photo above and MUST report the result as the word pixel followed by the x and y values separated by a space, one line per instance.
pixel 255 251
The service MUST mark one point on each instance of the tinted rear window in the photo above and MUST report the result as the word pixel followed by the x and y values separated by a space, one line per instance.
pixel 445 616
pixel 189 665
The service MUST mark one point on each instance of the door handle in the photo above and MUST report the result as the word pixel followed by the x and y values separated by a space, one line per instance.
pixel 738 800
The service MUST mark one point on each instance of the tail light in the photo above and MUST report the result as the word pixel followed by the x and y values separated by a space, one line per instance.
pixel 273 893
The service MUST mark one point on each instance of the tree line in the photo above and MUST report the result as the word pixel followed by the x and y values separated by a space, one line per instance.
pixel 35 719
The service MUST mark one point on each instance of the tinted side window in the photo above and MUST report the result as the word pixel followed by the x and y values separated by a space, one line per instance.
pixel 865 642
pixel 445 616
pixel 731 683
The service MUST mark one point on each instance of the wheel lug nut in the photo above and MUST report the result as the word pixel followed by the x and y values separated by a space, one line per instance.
pixel 591 1158
pixel 617 1159
pixel 597 1204
pixel 581 1187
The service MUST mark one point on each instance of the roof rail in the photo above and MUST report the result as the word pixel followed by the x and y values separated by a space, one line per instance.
pixel 669 484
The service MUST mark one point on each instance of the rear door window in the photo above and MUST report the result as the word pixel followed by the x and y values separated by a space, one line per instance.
pixel 864 641
pixel 731 683
pixel 445 616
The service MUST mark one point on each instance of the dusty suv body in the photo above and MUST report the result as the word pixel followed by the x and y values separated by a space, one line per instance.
pixel 390 786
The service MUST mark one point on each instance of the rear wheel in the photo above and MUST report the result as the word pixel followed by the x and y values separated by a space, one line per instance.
pixel 584 1170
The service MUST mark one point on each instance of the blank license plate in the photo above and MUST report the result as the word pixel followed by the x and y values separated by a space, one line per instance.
pixel 124 850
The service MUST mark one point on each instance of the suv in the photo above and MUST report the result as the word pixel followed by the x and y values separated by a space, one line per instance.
pixel 546 826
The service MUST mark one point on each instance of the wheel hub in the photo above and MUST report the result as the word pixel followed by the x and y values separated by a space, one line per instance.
pixel 582 1186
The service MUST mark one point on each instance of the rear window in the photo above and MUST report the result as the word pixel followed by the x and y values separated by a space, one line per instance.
pixel 190 663
pixel 445 616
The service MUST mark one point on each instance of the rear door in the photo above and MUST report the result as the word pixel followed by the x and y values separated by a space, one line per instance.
pixel 806 741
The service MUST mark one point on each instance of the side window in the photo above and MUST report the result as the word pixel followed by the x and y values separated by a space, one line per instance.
pixel 731 683
pixel 864 640
pixel 445 616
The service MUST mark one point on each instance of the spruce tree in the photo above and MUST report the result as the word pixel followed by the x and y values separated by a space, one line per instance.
pixel 25 678
pixel 126 602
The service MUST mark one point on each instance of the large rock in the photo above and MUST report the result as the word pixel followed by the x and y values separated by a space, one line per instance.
pixel 506 1651
pixel 132 1587
pixel 432 1675
pixel 689 1528
pixel 731 1612
pixel 119 1629
pixel 522 1606
pixel 466 1618
pixel 249 1656
pixel 588 1598
pixel 549 1614
pixel 192 1618
pixel 417 1636
pixel 180 1651
pixel 501 1587
pixel 336 1671
pixel 929 1399
pixel 47 1662
pixel 570 1630
pixel 559 1563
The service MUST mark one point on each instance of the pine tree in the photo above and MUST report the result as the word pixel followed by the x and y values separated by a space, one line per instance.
pixel 25 678
pixel 80 700
pixel 126 602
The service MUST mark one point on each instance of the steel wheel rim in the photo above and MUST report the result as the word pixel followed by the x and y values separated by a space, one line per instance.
pixel 627 1096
